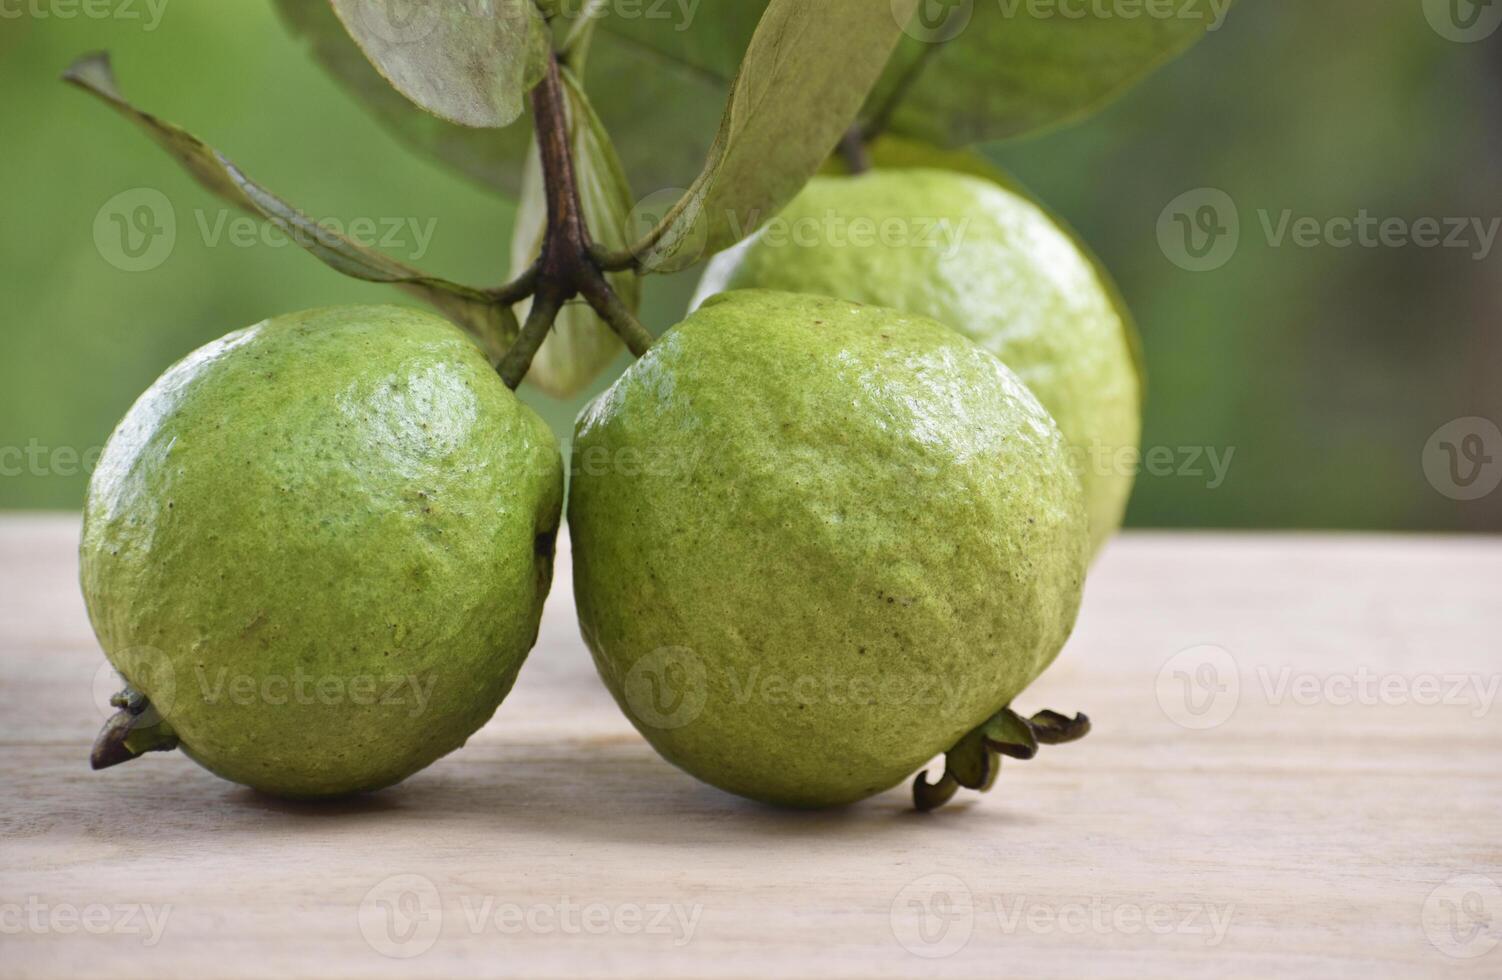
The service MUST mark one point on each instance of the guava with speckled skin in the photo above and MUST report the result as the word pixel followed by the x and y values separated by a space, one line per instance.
pixel 320 547
pixel 993 265
pixel 816 543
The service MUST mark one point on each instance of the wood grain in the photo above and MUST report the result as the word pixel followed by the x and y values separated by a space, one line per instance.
pixel 1334 822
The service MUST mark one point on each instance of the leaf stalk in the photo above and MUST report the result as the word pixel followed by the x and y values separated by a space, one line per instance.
pixel 568 265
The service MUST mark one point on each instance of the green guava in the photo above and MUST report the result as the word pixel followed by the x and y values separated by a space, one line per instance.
pixel 317 549
pixel 988 262
pixel 816 543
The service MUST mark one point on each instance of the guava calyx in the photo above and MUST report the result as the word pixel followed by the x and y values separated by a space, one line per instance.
pixel 134 730
pixel 975 760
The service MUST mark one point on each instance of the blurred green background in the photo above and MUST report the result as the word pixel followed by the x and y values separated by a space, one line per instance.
pixel 1322 372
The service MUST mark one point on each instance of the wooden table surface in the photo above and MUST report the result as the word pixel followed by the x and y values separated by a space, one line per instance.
pixel 1296 770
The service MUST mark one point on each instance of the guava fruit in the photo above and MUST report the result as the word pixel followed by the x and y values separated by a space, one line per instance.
pixel 317 549
pixel 993 265
pixel 816 543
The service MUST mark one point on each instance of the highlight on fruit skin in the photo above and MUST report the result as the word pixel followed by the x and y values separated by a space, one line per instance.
pixel 991 263
pixel 817 543
pixel 317 550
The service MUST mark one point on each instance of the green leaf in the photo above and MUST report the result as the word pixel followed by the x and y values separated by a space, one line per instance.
pixel 664 119
pixel 137 728
pixel 1009 733
pixel 805 75
pixel 708 39
pixel 493 158
pixel 972 762
pixel 469 63
pixel 975 760
pixel 660 86
pixel 969 71
pixel 1053 728
pixel 930 796
pixel 470 308
pixel 581 344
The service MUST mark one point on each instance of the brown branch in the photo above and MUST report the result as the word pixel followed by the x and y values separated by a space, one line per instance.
pixel 854 152
pixel 518 360
pixel 569 264
pixel 614 311
pixel 609 261
pixel 517 289
pixel 882 117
